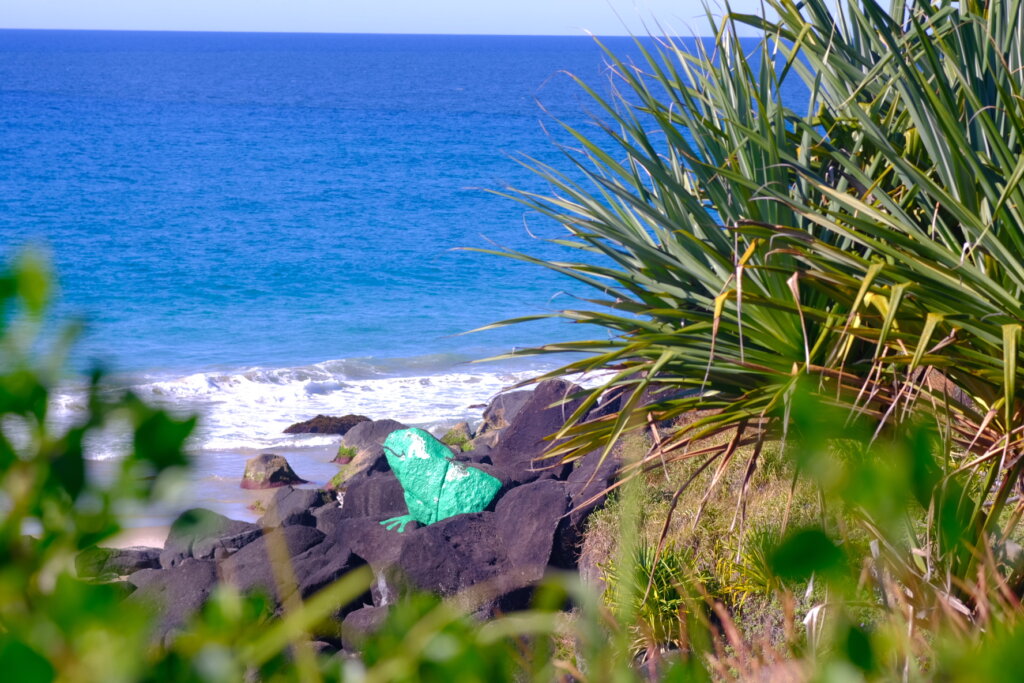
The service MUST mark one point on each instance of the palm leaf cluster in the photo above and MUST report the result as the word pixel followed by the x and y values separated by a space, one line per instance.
pixel 873 244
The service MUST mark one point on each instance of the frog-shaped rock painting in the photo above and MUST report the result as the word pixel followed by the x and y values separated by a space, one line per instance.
pixel 435 486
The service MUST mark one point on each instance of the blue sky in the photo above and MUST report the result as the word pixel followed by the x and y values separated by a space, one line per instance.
pixel 559 17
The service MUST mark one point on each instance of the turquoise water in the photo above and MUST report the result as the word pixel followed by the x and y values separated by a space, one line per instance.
pixel 263 227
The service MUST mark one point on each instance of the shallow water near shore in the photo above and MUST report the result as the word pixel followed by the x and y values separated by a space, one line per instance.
pixel 245 414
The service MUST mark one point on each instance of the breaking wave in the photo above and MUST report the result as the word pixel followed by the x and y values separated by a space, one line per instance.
pixel 248 409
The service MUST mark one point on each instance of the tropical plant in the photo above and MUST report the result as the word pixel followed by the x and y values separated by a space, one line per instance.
pixel 873 242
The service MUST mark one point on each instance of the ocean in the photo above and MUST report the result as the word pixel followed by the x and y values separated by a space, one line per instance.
pixel 260 228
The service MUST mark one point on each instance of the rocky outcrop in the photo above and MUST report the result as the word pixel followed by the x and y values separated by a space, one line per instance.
pixel 590 478
pixel 526 520
pixel 373 494
pixel 360 624
pixel 267 568
pixel 500 412
pixel 199 533
pixel 109 563
pixel 367 440
pixel 290 506
pixel 489 561
pixel 325 424
pixel 524 441
pixel 174 594
pixel 269 471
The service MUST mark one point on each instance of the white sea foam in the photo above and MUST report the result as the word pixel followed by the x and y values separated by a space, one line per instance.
pixel 248 410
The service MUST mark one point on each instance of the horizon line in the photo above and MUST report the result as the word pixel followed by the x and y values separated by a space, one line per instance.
pixel 585 34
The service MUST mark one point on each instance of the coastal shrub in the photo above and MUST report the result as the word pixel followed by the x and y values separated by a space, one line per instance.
pixel 657 588
pixel 872 242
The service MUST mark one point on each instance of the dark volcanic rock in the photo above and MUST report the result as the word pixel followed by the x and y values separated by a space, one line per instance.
pixel 371 541
pixel 250 568
pixel 526 519
pixel 377 495
pixel 327 518
pixel 269 471
pixel 361 623
pixel 502 410
pixel 525 439
pixel 200 530
pixel 324 424
pixel 486 440
pixel 291 506
pixel 367 438
pixel 609 403
pixel 322 565
pixel 221 547
pixel 480 454
pixel 588 482
pixel 174 594
pixel 586 487
pixel 453 554
pixel 100 563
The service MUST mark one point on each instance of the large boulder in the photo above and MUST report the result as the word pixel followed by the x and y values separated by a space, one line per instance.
pixel 484 442
pixel 199 532
pixel 322 565
pixel 327 518
pixel 524 441
pixel 108 563
pixel 174 594
pixel 291 506
pixel 360 624
pixel 269 471
pixel 218 548
pixel 324 424
pixel 453 554
pixel 587 487
pixel 378 495
pixel 258 566
pixel 369 540
pixel 367 440
pixel 372 544
pixel 502 409
pixel 526 519
pixel 588 483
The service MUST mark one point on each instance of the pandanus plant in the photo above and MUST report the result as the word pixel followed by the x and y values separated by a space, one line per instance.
pixel 872 243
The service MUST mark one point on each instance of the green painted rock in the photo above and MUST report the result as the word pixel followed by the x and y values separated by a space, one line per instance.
pixel 435 486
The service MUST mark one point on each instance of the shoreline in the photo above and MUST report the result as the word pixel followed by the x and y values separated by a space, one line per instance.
pixel 139 537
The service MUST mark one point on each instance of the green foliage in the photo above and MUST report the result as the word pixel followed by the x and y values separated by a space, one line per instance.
pixel 337 480
pixel 656 590
pixel 345 453
pixel 459 439
pixel 872 243
pixel 51 624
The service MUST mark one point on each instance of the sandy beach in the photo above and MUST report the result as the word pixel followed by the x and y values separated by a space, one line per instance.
pixel 146 536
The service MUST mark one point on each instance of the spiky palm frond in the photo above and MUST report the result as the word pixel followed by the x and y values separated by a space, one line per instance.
pixel 873 242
